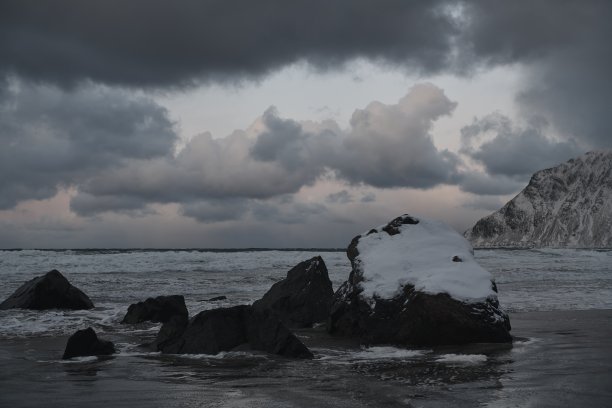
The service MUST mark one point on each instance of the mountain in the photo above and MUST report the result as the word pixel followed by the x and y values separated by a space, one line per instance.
pixel 567 206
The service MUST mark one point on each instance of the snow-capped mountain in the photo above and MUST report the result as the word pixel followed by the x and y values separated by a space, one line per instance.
pixel 569 205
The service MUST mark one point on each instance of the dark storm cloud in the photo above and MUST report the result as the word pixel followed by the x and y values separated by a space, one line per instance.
pixel 216 210
pixel 391 145
pixel 169 43
pixel 153 43
pixel 205 169
pixel 286 142
pixel 512 151
pixel 89 205
pixel 275 210
pixel 339 197
pixel 566 49
pixel 487 203
pixel 51 138
pixel 486 185
pixel 386 146
pixel 116 149
pixel 368 198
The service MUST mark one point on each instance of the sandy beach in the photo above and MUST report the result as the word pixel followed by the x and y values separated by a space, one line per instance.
pixel 559 359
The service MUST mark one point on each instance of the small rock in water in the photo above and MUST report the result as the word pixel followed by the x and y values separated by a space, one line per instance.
pixel 303 298
pixel 50 291
pixel 159 309
pixel 86 343
pixel 226 329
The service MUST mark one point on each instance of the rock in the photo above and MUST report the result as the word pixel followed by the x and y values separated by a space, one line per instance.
pixel 86 343
pixel 168 339
pixel 567 206
pixel 50 291
pixel 265 332
pixel 303 298
pixel 415 282
pixel 159 309
pixel 225 329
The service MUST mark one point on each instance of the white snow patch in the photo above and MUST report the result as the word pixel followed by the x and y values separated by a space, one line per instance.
pixel 462 358
pixel 421 255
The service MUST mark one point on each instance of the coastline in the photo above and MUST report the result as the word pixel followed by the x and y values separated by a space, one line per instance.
pixel 559 358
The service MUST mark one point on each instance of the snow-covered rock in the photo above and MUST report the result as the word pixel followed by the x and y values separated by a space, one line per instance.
pixel 568 206
pixel 415 281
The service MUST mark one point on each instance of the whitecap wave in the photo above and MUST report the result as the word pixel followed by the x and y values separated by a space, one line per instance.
pixel 377 353
pixel 462 358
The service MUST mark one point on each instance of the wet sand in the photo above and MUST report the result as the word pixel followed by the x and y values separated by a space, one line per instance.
pixel 560 359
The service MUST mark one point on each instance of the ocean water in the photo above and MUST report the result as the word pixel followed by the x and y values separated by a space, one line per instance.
pixel 531 283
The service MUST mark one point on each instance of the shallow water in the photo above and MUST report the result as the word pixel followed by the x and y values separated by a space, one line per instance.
pixel 564 360
pixel 564 356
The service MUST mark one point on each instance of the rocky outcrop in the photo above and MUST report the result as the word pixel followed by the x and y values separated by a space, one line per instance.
pixel 303 298
pixel 168 338
pixel 568 206
pixel 158 309
pixel 415 282
pixel 226 329
pixel 50 291
pixel 86 343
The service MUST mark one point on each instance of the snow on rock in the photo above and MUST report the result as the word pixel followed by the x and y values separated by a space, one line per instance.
pixel 567 206
pixel 421 255
pixel 415 281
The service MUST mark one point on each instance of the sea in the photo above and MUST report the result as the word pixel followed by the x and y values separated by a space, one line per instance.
pixel 559 300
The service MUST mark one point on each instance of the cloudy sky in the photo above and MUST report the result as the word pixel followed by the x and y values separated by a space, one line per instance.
pixel 276 123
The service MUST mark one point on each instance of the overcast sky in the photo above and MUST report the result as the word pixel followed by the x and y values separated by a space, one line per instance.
pixel 228 123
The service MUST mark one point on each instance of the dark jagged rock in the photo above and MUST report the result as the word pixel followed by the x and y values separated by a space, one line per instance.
pixel 158 309
pixel 50 291
pixel 409 316
pixel 265 332
pixel 417 318
pixel 225 329
pixel 168 339
pixel 86 343
pixel 303 298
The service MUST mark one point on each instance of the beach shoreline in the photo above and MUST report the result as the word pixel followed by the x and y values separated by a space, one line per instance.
pixel 559 358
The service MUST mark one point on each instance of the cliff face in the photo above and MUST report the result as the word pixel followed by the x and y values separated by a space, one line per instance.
pixel 568 206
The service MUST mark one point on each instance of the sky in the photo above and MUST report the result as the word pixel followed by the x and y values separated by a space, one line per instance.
pixel 226 123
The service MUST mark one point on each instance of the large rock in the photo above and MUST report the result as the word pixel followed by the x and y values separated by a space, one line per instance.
pixel 303 298
pixel 168 338
pixel 86 343
pixel 414 281
pixel 567 206
pixel 50 291
pixel 225 329
pixel 159 309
